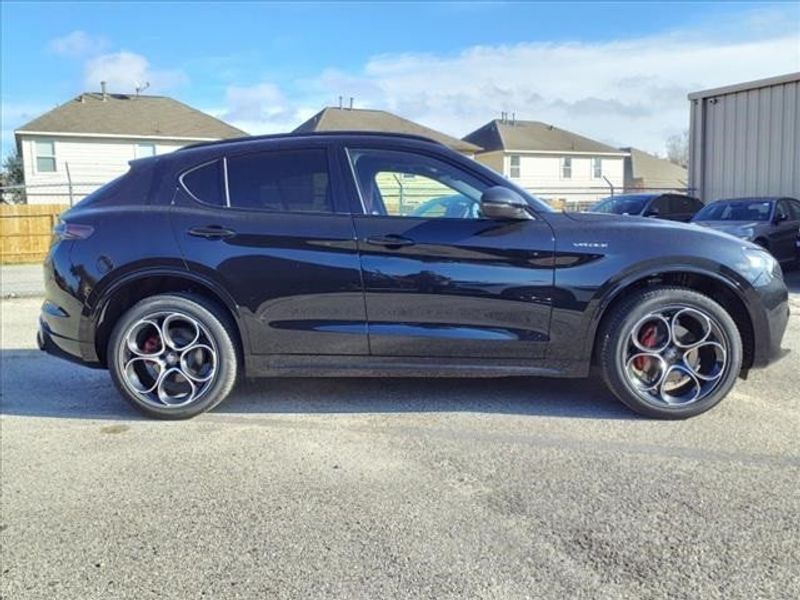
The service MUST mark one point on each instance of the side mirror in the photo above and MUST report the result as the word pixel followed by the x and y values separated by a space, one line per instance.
pixel 499 202
pixel 781 217
pixel 652 212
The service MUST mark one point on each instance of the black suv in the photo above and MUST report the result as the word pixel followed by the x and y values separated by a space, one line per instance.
pixel 302 255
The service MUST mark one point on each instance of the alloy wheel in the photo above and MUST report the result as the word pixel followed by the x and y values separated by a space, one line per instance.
pixel 675 356
pixel 168 359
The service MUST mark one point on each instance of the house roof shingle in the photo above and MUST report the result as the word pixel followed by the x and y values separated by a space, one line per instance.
pixel 122 114
pixel 359 119
pixel 656 172
pixel 533 136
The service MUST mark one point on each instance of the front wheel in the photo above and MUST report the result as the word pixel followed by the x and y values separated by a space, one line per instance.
pixel 173 356
pixel 670 353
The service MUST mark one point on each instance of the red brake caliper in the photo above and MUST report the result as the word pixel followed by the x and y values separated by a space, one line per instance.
pixel 151 344
pixel 647 338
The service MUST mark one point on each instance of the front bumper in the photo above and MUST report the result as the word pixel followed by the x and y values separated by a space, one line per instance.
pixel 769 314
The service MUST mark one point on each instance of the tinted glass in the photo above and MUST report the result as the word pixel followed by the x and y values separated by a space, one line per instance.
pixel 661 205
pixel 205 183
pixel 789 207
pixel 736 210
pixel 622 205
pixel 437 189
pixel 683 204
pixel 286 181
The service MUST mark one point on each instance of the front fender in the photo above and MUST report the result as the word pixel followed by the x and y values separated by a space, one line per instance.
pixel 585 305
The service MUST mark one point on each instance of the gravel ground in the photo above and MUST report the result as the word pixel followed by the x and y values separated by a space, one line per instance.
pixel 381 488
pixel 21 281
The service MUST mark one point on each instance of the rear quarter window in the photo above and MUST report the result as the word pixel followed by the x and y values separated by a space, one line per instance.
pixel 205 183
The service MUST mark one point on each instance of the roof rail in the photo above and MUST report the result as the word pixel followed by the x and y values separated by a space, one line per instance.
pixel 280 136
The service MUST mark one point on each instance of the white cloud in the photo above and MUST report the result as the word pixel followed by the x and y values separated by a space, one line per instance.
pixel 262 108
pixel 623 92
pixel 77 44
pixel 124 70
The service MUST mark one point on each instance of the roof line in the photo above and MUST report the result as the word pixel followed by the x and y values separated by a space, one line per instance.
pixel 132 136
pixel 208 116
pixel 582 152
pixel 302 134
pixel 747 85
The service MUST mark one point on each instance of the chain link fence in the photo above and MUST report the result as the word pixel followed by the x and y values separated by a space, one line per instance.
pixel 399 196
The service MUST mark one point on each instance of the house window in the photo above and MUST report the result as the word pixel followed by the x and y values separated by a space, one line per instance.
pixel 597 167
pixel 514 168
pixel 566 167
pixel 45 156
pixel 145 150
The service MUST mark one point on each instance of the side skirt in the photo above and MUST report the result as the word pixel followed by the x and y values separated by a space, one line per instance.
pixel 389 366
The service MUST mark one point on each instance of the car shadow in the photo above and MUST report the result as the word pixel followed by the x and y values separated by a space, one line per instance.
pixel 37 385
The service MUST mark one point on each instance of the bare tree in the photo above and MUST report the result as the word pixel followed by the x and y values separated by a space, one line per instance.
pixel 12 174
pixel 678 148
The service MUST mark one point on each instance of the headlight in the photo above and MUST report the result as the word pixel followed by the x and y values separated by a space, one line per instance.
pixel 759 266
pixel 747 233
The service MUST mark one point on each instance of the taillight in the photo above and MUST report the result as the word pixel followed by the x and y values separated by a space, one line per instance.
pixel 72 231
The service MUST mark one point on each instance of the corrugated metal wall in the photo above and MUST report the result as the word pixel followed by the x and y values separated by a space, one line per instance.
pixel 746 142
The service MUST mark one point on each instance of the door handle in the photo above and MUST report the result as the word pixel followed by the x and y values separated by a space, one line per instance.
pixel 212 232
pixel 391 240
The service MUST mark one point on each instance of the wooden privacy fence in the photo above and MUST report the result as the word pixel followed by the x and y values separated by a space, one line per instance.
pixel 25 231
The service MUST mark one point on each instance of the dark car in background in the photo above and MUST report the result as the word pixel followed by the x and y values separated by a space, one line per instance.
pixel 292 256
pixel 456 206
pixel 772 223
pixel 674 207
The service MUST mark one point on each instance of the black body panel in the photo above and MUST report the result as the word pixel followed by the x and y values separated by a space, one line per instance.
pixel 463 287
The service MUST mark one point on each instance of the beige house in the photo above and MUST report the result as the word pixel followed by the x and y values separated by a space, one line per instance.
pixel 555 164
pixel 78 146
pixel 360 119
pixel 644 171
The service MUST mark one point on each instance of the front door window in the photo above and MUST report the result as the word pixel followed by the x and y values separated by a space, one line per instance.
pixel 400 184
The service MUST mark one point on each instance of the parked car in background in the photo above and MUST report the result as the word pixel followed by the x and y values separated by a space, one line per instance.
pixel 675 207
pixel 456 206
pixel 772 223
pixel 288 256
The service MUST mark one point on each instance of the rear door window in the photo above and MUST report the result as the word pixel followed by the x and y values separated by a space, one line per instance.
pixel 794 207
pixel 281 181
pixel 783 211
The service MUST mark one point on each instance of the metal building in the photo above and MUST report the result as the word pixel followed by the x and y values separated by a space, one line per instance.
pixel 744 140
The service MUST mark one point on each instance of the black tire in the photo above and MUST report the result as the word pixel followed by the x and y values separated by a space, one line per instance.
pixel 615 339
pixel 215 327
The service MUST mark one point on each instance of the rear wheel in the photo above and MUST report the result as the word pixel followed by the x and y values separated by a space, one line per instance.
pixel 670 352
pixel 173 356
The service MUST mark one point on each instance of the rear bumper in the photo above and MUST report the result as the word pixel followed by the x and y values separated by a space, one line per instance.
pixel 50 340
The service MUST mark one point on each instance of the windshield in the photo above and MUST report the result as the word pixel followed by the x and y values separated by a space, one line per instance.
pixel 739 210
pixel 622 205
